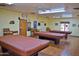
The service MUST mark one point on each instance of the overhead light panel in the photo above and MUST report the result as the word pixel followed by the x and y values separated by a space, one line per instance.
pixel 67 15
pixel 9 3
pixel 57 10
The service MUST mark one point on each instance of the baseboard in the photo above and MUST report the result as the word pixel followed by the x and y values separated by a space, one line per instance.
pixel 74 36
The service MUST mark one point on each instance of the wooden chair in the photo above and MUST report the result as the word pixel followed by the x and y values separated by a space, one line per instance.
pixel 6 31
pixel 33 31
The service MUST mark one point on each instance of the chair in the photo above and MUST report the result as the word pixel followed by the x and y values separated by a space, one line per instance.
pixel 6 31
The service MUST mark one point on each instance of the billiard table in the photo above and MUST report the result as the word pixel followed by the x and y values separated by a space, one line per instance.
pixel 50 36
pixel 61 32
pixel 21 45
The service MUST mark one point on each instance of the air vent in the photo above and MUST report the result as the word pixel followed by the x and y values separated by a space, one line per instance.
pixel 77 15
pixel 76 8
pixel 5 4
pixel 32 12
pixel 2 4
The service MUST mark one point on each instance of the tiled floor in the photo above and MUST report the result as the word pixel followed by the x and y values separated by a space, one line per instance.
pixel 71 42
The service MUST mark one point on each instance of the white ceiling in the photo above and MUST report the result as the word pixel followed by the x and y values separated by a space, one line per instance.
pixel 34 7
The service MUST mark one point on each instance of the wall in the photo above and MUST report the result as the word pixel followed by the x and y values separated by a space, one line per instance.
pixel 35 17
pixel 75 30
pixel 5 17
pixel 38 18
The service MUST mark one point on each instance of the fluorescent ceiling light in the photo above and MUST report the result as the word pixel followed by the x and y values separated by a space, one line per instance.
pixel 51 11
pixel 9 3
pixel 67 15
pixel 62 16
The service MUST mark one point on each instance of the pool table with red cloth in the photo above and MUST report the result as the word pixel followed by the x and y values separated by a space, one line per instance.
pixel 24 46
pixel 62 32
pixel 50 36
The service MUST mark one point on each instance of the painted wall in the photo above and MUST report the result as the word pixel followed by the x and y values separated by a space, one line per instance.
pixel 75 30
pixel 5 17
pixel 40 19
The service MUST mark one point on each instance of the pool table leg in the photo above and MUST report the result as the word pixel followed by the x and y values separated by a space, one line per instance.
pixel 66 36
pixel 4 49
pixel 57 41
pixel 35 54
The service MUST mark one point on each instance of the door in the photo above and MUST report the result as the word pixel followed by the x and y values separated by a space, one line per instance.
pixel 35 24
pixel 23 27
pixel 64 26
pixel 43 27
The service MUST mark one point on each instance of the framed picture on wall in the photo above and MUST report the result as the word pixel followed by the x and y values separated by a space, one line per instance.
pixel 73 25
pixel 12 22
pixel 44 24
pixel 56 24
pixel 29 26
pixel 78 25
pixel 39 24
